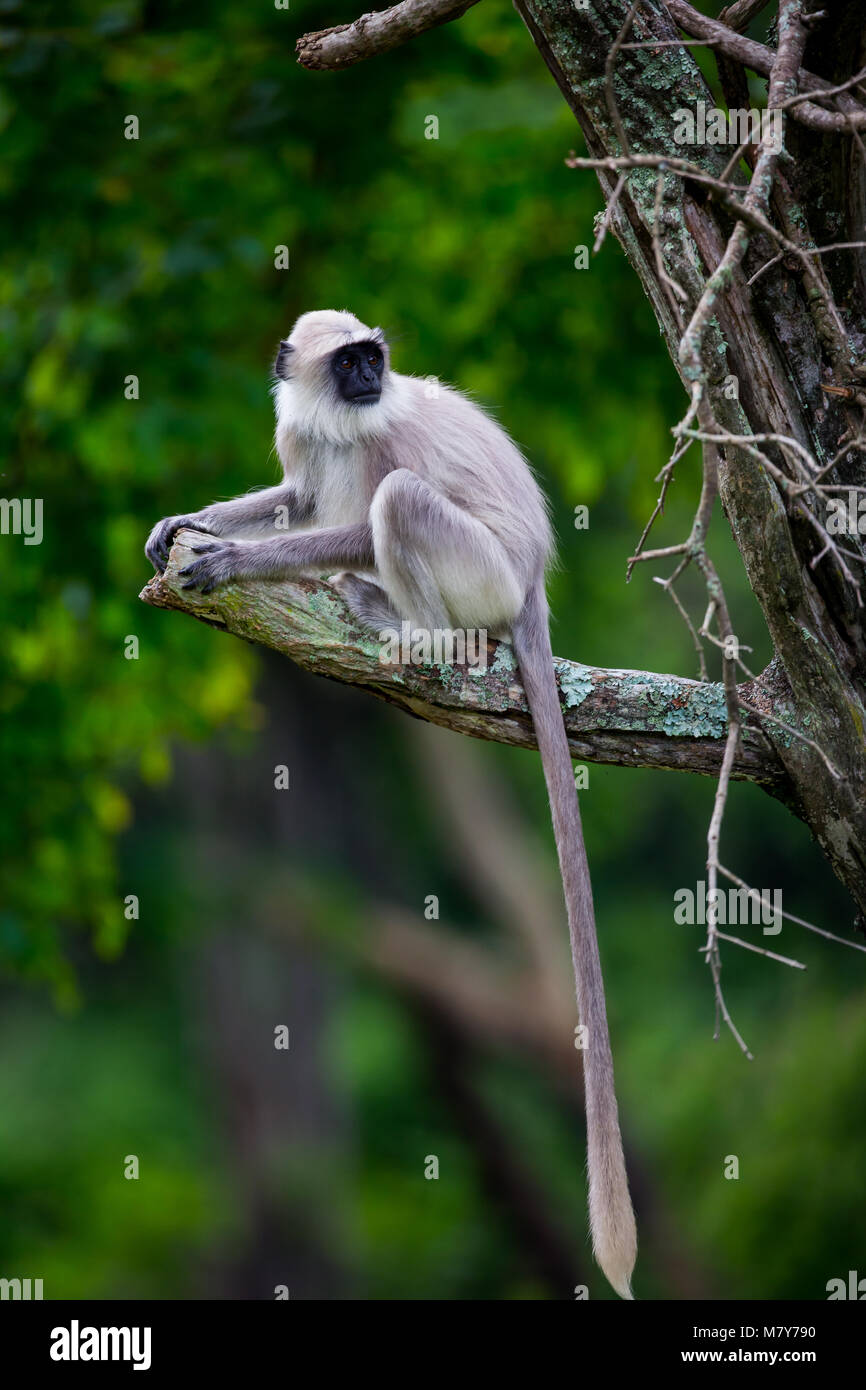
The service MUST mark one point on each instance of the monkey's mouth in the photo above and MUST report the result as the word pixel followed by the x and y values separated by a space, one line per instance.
pixel 368 398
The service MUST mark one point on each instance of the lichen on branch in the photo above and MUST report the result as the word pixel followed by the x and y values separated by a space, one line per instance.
pixel 629 718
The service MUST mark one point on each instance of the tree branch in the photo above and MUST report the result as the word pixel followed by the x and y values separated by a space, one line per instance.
pixel 628 718
pixel 381 30
pixel 760 59
pixel 376 33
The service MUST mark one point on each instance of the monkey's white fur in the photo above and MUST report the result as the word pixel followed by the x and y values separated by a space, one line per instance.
pixel 439 433
pixel 426 496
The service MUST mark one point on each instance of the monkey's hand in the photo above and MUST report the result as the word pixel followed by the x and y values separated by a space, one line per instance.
pixel 160 540
pixel 220 562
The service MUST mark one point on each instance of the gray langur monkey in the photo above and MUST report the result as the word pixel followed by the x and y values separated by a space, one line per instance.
pixel 430 500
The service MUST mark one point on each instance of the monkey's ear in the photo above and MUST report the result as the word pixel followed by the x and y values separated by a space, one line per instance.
pixel 281 366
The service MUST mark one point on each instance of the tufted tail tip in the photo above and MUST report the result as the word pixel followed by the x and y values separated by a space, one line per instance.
pixel 617 1269
pixel 614 1240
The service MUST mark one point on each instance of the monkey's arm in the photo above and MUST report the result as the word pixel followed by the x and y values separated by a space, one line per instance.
pixel 334 547
pixel 262 511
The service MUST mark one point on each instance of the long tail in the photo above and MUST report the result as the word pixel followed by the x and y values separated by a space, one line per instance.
pixel 611 1219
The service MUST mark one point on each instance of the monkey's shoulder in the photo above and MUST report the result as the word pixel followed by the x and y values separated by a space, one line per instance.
pixel 450 418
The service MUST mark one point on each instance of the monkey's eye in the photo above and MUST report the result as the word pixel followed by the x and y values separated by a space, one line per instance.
pixel 374 359
pixel 346 363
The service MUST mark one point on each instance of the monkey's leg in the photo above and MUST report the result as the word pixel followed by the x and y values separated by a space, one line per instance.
pixel 440 567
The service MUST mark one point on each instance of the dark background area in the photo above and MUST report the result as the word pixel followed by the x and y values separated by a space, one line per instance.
pixel 305 908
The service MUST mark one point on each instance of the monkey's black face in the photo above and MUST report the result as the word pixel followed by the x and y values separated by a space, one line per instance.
pixel 358 372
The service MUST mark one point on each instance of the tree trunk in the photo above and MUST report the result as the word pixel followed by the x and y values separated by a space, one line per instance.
pixel 775 339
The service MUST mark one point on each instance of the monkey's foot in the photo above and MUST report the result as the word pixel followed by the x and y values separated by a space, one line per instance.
pixel 366 601
pixel 219 563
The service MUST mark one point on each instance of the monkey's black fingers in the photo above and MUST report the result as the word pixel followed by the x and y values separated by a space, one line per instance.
pixel 156 554
pixel 159 542
pixel 162 538
pixel 196 566
pixel 217 566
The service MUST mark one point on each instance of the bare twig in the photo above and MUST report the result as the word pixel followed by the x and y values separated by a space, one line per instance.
pixel 809 251
pixel 795 733
pixel 740 15
pixel 759 950
pixel 760 59
pixel 667 585
pixel 752 216
pixel 789 916
pixel 376 33
pixel 824 94
pixel 608 214
pixel 783 76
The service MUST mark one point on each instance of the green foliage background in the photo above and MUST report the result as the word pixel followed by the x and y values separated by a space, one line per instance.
pixel 155 257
